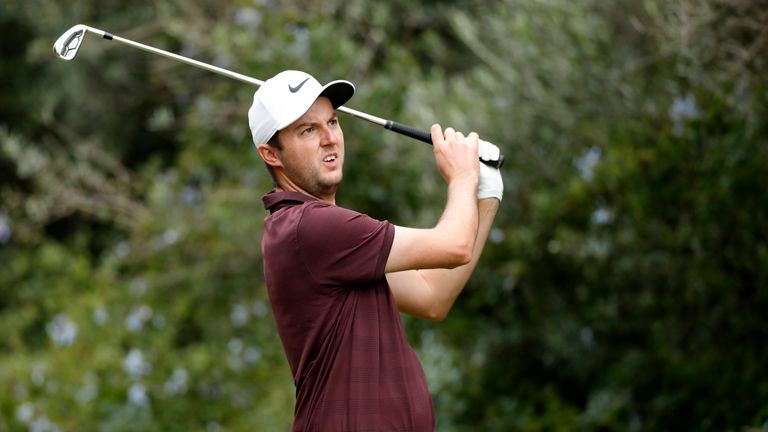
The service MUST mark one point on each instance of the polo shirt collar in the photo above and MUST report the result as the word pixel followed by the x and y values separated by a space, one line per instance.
pixel 275 200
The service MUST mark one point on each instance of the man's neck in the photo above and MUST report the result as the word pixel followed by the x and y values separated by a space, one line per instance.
pixel 293 188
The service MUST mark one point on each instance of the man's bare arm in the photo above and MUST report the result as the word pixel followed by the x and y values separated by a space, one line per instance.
pixel 430 293
pixel 450 243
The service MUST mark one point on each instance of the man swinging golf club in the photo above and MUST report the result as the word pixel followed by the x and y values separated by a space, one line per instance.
pixel 337 278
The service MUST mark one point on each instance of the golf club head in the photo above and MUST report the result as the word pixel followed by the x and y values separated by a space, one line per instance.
pixel 67 45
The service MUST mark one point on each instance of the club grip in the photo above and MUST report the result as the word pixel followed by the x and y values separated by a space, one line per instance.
pixel 426 137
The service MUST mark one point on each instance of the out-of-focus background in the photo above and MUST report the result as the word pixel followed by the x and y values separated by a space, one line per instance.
pixel 624 288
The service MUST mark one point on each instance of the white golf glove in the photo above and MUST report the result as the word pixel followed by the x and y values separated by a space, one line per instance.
pixel 487 151
pixel 491 184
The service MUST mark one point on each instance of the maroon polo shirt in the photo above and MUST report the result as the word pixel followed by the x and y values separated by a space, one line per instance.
pixel 340 327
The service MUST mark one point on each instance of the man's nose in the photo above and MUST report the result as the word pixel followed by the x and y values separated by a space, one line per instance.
pixel 329 136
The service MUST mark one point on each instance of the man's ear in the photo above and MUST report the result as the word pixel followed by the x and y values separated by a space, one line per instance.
pixel 269 155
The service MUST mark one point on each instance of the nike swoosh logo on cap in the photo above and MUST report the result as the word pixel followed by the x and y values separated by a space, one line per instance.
pixel 298 87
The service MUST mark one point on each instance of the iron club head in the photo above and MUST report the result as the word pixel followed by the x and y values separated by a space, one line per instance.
pixel 67 45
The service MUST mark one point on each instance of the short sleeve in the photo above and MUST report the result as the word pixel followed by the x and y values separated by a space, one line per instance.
pixel 343 247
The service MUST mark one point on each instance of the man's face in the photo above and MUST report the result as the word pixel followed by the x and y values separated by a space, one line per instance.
pixel 313 152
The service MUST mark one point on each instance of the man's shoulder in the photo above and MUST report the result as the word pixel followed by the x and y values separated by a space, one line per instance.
pixel 327 215
pixel 331 223
pixel 312 213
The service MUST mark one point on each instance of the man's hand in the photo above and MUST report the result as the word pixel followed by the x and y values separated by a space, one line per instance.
pixel 490 184
pixel 455 154
pixel 487 151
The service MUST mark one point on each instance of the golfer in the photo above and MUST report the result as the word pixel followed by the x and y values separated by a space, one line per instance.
pixel 337 279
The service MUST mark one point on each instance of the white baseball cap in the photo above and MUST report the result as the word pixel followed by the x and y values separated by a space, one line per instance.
pixel 284 98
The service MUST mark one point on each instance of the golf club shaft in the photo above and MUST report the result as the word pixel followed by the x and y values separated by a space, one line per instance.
pixel 400 128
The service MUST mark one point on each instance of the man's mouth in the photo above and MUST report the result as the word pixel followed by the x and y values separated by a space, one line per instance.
pixel 329 158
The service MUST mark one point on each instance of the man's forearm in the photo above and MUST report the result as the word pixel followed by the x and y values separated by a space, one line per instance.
pixel 459 221
pixel 448 245
pixel 447 284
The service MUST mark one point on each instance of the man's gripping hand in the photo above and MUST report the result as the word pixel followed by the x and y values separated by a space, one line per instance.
pixel 456 155
pixel 490 184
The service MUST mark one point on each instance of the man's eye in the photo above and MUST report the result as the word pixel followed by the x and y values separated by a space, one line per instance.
pixel 308 130
pixel 333 122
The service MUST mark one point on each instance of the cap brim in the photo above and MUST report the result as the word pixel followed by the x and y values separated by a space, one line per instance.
pixel 338 92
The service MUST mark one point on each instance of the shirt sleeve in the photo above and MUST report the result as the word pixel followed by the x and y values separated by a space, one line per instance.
pixel 343 247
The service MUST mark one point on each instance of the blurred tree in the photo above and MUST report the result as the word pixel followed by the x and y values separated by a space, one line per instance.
pixel 628 285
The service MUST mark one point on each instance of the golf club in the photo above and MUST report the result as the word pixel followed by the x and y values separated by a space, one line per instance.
pixel 67 45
